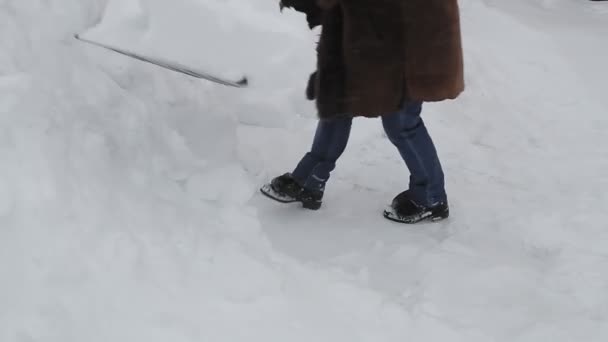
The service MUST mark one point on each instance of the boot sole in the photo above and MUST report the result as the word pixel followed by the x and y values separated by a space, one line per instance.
pixel 389 215
pixel 267 191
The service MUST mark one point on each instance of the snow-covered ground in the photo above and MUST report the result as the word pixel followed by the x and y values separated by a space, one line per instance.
pixel 128 194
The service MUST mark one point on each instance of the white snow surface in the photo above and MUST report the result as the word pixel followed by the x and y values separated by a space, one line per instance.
pixel 129 205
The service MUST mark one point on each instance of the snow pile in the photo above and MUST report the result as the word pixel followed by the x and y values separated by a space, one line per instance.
pixel 128 205
pixel 124 207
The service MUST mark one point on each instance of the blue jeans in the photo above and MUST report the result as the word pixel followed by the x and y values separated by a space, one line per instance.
pixel 404 128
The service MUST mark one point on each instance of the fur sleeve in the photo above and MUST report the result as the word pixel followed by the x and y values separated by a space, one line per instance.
pixel 327 4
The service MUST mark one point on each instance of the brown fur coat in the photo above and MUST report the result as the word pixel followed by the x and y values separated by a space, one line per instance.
pixel 374 54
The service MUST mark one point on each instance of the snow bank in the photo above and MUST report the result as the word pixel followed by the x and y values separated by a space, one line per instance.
pixel 124 209
pixel 128 206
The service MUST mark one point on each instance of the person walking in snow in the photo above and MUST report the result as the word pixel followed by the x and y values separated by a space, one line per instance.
pixel 379 58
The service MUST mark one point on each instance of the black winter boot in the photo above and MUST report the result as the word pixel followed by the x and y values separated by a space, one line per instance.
pixel 285 189
pixel 404 210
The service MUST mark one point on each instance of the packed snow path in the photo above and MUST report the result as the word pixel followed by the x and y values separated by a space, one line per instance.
pixel 129 208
